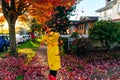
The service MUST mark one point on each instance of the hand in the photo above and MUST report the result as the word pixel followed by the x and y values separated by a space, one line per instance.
pixel 48 30
pixel 57 54
pixel 41 44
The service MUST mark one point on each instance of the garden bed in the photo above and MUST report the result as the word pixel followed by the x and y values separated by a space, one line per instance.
pixel 94 66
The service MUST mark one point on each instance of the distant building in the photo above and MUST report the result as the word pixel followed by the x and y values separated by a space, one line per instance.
pixel 82 25
pixel 111 11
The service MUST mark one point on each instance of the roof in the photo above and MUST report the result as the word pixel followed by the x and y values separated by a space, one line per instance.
pixel 74 22
pixel 92 18
pixel 86 18
pixel 104 8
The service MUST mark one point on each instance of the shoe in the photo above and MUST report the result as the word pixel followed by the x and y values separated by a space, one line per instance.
pixel 53 78
pixel 49 77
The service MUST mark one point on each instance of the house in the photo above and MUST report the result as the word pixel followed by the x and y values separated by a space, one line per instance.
pixel 111 11
pixel 82 25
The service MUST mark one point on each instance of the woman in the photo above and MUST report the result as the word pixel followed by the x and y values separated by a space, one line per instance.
pixel 52 52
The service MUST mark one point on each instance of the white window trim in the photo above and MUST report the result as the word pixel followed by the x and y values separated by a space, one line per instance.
pixel 118 7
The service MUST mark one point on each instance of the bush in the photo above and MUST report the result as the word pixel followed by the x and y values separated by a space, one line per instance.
pixel 81 46
pixel 64 46
pixel 75 35
pixel 107 32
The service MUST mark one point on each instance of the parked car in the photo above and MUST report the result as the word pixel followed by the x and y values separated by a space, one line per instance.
pixel 19 38
pixel 4 43
pixel 27 37
pixel 7 38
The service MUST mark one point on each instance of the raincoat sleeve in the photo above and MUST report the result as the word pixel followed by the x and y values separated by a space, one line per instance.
pixel 53 38
pixel 44 38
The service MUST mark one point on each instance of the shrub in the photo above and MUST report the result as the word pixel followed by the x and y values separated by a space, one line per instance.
pixel 107 32
pixel 81 46
pixel 75 35
pixel 64 46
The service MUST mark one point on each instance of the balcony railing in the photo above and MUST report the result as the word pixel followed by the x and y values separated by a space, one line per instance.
pixel 108 17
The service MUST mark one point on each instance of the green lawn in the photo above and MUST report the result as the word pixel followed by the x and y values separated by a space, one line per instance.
pixel 29 44
pixel 28 47
pixel 2 53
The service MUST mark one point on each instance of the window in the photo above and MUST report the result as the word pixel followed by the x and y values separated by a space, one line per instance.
pixel 86 25
pixel 80 27
pixel 109 0
pixel 118 9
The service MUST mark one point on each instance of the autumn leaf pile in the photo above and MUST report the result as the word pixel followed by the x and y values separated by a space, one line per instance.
pixel 13 67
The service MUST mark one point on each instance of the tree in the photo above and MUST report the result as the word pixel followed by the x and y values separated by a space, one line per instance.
pixel 2 20
pixel 39 9
pixel 34 26
pixel 107 32
pixel 60 20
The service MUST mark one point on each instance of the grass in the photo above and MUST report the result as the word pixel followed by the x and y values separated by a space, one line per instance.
pixel 28 47
pixel 29 44
pixel 2 53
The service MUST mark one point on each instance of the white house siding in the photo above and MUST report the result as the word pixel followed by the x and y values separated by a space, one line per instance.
pixel 111 14
pixel 102 15
pixel 106 15
pixel 115 14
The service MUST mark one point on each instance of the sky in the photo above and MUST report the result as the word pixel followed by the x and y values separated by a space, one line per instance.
pixel 87 8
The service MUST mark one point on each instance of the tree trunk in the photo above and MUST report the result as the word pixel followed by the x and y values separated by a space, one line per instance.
pixel 11 13
pixel 12 38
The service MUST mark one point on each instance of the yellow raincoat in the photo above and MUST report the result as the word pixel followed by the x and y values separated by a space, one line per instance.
pixel 52 50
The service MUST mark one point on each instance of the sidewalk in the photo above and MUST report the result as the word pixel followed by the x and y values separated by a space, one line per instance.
pixel 42 56
pixel 42 59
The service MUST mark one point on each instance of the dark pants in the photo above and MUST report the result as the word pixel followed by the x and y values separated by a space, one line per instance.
pixel 54 73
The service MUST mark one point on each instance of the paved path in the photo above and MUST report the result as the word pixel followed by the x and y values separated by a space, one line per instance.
pixel 42 55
